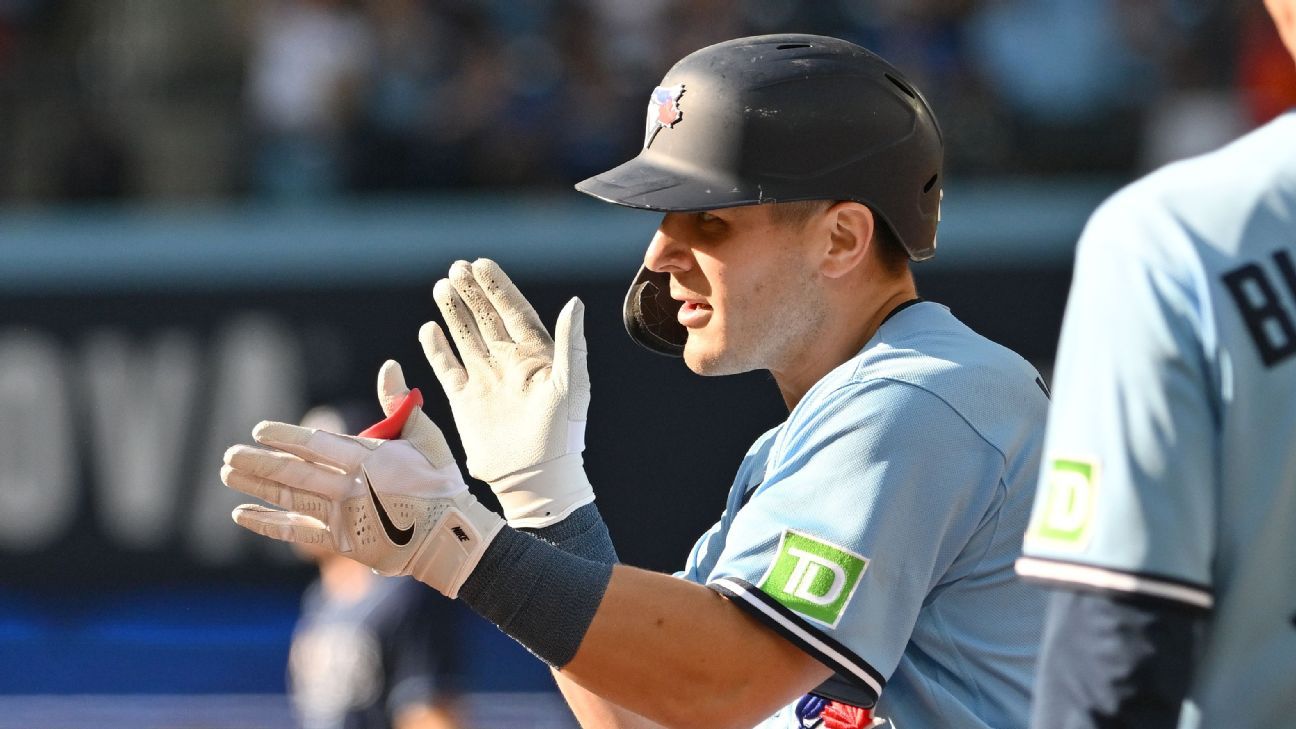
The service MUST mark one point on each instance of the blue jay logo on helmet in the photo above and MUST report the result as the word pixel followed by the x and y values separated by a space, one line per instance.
pixel 663 110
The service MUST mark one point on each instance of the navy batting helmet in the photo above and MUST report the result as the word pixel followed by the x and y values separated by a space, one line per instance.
pixel 777 118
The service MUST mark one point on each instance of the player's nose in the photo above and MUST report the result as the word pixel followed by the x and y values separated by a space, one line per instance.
pixel 667 253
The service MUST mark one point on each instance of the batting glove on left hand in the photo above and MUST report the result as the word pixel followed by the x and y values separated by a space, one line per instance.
pixel 399 506
pixel 519 397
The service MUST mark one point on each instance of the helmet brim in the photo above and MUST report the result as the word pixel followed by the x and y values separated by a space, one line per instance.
pixel 646 185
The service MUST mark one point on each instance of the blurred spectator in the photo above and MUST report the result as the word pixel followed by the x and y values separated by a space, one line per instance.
pixel 1067 78
pixel 1190 122
pixel 143 93
pixel 629 36
pixel 307 62
pixel 371 652
pixel 1195 108
pixel 422 99
pixel 12 15
pixel 94 164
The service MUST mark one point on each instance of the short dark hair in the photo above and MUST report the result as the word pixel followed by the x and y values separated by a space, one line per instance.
pixel 893 256
pixel 798 212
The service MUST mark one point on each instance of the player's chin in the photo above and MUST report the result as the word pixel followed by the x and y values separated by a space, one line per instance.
pixel 709 358
pixel 698 356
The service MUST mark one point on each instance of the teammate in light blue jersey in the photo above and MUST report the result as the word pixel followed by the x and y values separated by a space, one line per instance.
pixel 1166 511
pixel 878 525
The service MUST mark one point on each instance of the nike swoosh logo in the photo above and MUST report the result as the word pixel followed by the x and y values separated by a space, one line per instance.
pixel 399 537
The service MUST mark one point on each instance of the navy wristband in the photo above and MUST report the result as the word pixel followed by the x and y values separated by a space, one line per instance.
pixel 583 534
pixel 541 596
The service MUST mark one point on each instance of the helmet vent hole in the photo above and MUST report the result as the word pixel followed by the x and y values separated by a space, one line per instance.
pixel 902 86
pixel 789 46
pixel 930 184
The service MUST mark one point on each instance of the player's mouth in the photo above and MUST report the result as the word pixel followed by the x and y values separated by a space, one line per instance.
pixel 693 313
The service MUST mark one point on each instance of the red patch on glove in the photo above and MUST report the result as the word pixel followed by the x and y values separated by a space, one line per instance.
pixel 390 427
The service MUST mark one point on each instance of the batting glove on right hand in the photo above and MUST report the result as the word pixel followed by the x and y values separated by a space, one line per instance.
pixel 519 398
pixel 391 498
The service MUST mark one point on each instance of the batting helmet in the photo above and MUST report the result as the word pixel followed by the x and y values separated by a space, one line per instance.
pixel 777 118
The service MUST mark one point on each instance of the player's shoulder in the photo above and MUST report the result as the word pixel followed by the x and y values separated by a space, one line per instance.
pixel 924 360
pixel 927 346
pixel 1195 199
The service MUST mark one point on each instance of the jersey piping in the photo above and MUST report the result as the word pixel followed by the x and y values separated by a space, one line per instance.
pixel 1037 569
pixel 792 627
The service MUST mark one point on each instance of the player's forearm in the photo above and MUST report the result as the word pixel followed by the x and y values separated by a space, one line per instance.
pixel 584 535
pixel 680 654
pixel 670 650
pixel 596 712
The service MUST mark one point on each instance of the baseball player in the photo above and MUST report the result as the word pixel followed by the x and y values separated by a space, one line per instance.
pixel 861 573
pixel 1167 501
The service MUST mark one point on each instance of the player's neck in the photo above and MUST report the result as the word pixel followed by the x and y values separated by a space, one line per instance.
pixel 845 333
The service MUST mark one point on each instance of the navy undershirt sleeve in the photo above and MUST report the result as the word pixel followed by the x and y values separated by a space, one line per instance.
pixel 1112 661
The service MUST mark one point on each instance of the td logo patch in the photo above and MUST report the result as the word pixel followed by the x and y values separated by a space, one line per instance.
pixel 812 577
pixel 1066 511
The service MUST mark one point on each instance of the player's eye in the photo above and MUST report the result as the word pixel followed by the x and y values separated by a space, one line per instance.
pixel 709 227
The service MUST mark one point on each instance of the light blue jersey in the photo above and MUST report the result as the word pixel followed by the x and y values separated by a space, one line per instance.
pixel 1170 462
pixel 876 528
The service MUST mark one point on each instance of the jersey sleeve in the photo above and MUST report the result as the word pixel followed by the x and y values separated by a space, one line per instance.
pixel 1126 499
pixel 867 501
pixel 705 546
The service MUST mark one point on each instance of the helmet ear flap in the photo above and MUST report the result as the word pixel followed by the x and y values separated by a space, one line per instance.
pixel 650 314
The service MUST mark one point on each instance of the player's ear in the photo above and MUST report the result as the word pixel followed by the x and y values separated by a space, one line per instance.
pixel 849 232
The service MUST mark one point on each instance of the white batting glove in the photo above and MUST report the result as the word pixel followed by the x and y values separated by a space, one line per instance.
pixel 519 397
pixel 398 506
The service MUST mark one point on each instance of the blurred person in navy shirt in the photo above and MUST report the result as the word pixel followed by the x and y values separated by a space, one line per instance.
pixel 370 652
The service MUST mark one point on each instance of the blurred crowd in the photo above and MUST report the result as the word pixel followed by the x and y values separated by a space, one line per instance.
pixel 304 99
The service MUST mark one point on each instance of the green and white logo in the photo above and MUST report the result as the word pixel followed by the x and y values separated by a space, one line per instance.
pixel 1067 510
pixel 812 577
